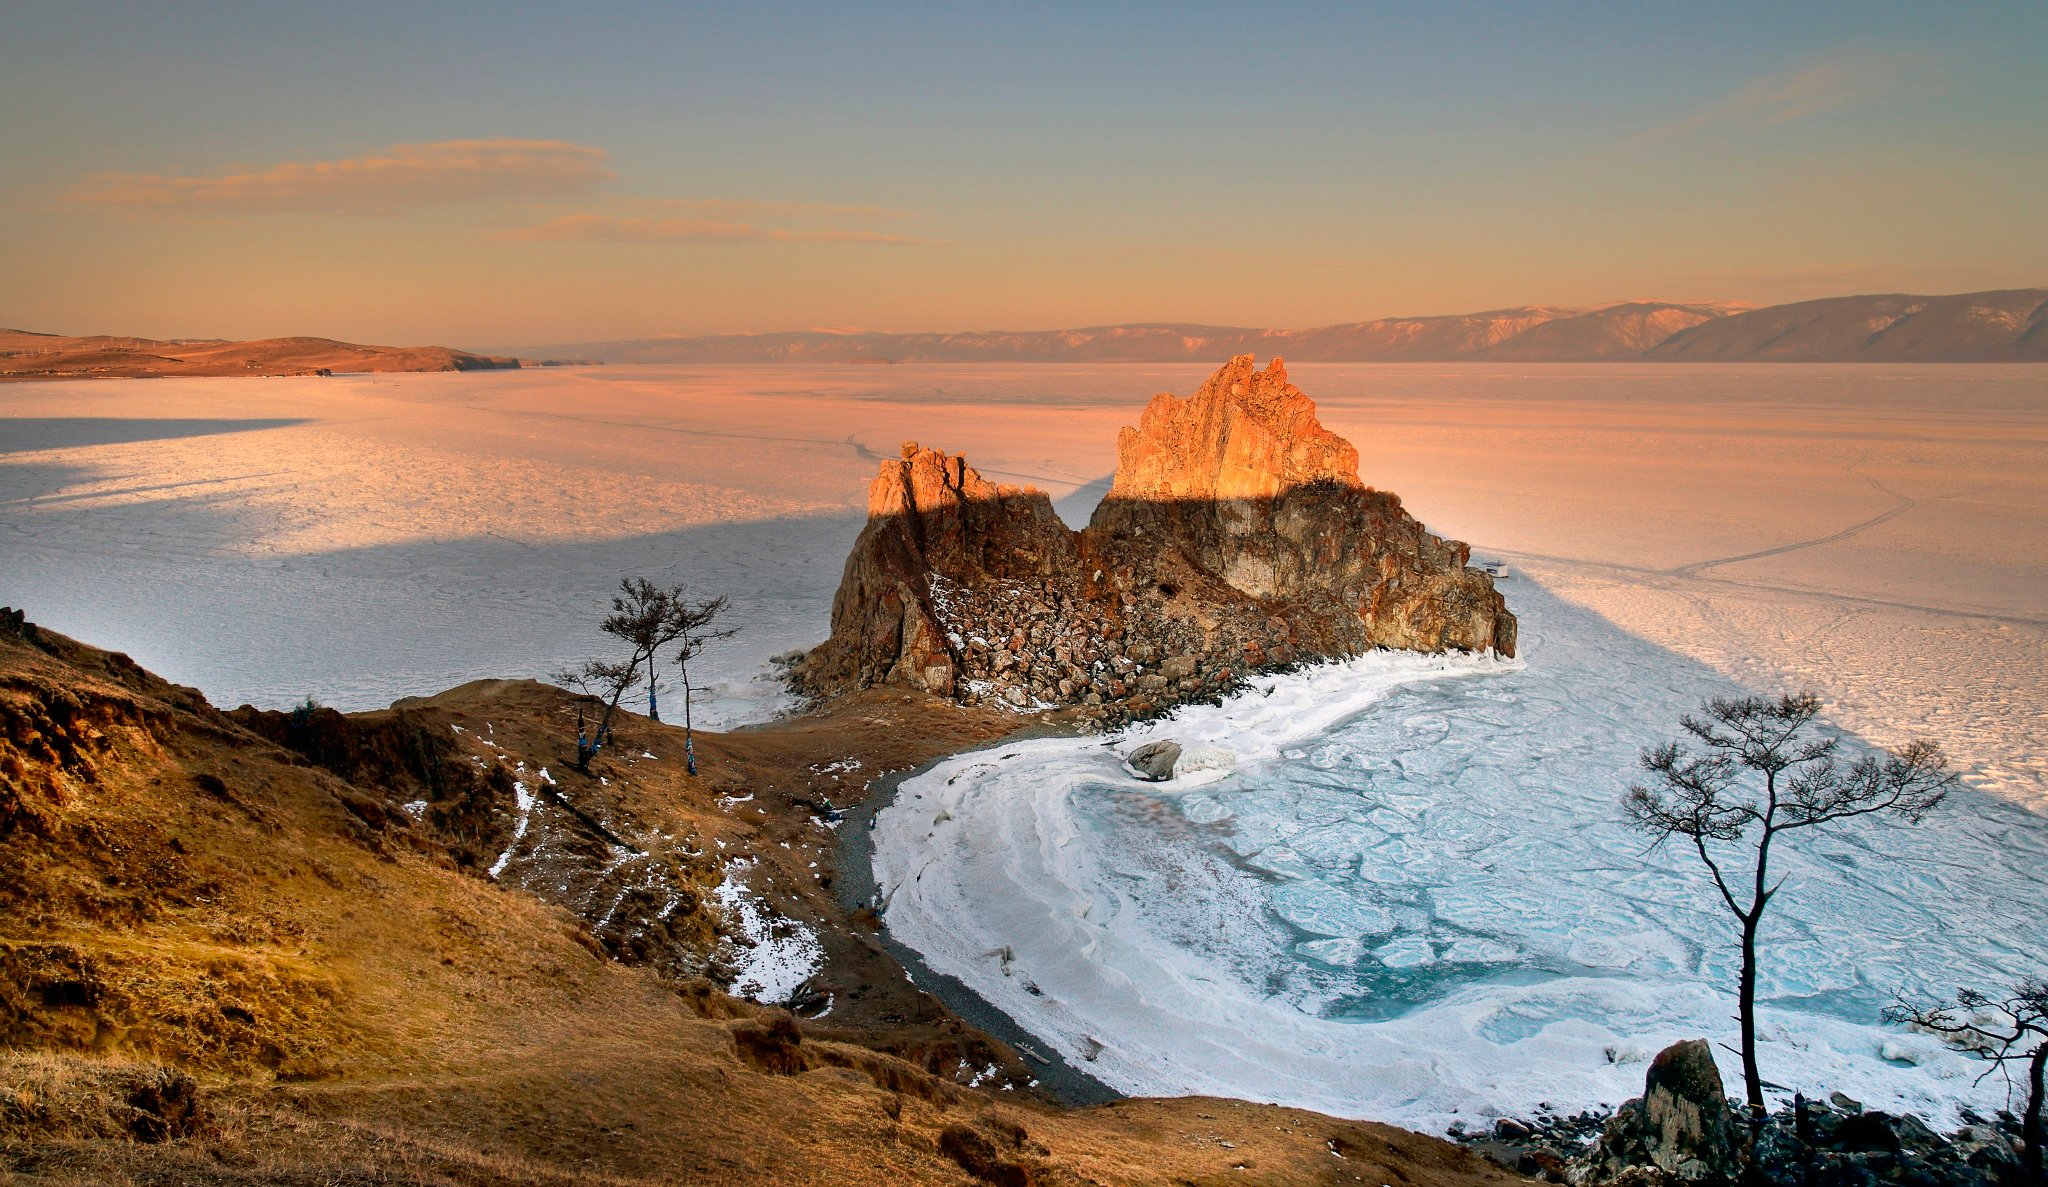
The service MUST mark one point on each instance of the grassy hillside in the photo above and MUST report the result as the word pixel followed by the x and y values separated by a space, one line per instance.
pixel 268 948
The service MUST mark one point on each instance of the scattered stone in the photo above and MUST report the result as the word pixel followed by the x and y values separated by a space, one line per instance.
pixel 1683 1131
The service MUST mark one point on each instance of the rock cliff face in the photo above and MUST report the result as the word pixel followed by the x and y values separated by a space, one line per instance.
pixel 936 529
pixel 1237 537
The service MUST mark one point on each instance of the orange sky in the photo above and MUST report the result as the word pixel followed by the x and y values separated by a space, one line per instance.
pixel 399 177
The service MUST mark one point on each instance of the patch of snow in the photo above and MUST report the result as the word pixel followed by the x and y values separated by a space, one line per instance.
pixel 774 955
pixel 525 800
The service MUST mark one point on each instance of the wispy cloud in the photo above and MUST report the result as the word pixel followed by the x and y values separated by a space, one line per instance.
pixel 1837 82
pixel 696 230
pixel 740 208
pixel 402 177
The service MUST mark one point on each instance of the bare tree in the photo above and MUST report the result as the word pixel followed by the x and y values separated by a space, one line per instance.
pixel 648 618
pixel 645 616
pixel 1712 800
pixel 2002 1032
pixel 693 628
pixel 607 682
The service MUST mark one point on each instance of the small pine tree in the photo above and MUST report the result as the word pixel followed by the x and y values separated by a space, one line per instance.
pixel 1760 777
pixel 694 630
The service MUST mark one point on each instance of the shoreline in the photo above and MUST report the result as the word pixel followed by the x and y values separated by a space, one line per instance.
pixel 856 888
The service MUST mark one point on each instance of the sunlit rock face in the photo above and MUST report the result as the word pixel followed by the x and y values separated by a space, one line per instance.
pixel 1236 537
pixel 1247 486
pixel 1246 434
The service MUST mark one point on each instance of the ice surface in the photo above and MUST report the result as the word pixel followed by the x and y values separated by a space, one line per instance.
pixel 363 538
pixel 1435 910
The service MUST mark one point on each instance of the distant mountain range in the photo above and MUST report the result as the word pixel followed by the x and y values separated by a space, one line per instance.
pixel 2004 326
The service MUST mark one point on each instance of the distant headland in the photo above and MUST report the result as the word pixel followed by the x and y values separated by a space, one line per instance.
pixel 25 355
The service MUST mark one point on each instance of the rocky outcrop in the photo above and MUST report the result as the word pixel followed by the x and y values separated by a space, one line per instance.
pixel 1241 486
pixel 1237 537
pixel 938 535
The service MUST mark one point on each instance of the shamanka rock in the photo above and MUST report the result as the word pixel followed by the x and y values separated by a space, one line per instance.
pixel 1237 537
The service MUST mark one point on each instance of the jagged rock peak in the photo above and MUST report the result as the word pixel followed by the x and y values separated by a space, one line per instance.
pixel 928 480
pixel 1247 434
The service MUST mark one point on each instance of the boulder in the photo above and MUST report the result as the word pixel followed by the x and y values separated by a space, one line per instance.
pixel 1685 1112
pixel 1679 1131
pixel 1682 1133
pixel 1154 760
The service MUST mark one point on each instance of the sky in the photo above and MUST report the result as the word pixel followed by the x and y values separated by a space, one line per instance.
pixel 509 174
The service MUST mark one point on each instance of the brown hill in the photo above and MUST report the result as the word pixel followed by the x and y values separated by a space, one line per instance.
pixel 1621 331
pixel 27 355
pixel 385 948
pixel 1237 537
pixel 1994 327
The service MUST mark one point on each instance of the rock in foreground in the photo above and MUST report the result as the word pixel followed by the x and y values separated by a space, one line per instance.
pixel 1682 1133
pixel 1679 1130
pixel 1237 537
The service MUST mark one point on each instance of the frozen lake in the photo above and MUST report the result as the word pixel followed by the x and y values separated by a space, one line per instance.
pixel 1877 533
pixel 1446 863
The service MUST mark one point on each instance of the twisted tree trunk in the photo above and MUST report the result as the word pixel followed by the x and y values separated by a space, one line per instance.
pixel 2031 1127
